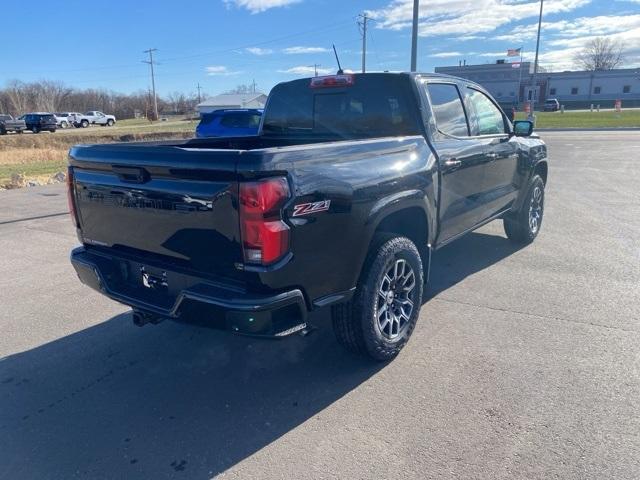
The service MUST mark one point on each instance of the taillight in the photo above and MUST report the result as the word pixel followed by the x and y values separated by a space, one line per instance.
pixel 71 198
pixel 265 236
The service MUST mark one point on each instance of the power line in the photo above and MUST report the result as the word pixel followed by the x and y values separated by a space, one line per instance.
pixel 153 80
pixel 332 26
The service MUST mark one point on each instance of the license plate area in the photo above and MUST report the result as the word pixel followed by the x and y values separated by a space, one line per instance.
pixel 154 279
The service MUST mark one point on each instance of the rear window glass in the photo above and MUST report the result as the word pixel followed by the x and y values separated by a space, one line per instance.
pixel 207 119
pixel 240 120
pixel 447 109
pixel 375 106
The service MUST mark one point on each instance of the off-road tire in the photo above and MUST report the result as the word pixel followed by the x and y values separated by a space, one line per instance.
pixel 356 323
pixel 519 226
pixel 110 123
pixel 84 123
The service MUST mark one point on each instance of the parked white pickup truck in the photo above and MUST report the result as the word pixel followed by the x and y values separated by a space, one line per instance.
pixel 95 117
pixel 65 119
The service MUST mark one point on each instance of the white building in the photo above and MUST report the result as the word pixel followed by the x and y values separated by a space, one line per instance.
pixel 225 101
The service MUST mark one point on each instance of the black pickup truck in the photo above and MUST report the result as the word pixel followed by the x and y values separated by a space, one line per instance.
pixel 351 183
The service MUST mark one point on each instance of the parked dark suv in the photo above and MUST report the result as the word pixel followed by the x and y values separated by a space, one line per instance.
pixel 36 122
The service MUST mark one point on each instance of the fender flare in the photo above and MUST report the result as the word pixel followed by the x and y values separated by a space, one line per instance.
pixel 393 203
pixel 523 191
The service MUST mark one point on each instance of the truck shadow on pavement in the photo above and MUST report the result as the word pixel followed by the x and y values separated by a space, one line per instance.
pixel 118 401
pixel 180 401
pixel 464 257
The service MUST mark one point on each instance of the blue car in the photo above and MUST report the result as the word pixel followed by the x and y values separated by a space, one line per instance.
pixel 229 123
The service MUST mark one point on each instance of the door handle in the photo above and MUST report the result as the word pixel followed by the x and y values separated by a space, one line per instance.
pixel 453 164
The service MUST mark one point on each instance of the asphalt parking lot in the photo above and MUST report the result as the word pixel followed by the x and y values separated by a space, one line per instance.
pixel 525 362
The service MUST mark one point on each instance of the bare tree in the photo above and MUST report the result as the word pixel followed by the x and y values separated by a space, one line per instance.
pixel 601 53
pixel 240 89
pixel 18 98
pixel 178 102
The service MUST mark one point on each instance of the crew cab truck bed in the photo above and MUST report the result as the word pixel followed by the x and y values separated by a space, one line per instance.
pixel 339 201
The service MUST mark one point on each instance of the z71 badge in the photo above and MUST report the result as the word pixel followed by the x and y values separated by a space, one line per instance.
pixel 313 207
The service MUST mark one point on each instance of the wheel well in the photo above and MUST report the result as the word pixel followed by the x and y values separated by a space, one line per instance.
pixel 542 170
pixel 410 223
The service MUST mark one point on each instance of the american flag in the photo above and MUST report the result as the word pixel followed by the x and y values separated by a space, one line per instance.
pixel 514 52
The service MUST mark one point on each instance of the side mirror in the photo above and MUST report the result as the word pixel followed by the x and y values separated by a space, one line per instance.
pixel 522 128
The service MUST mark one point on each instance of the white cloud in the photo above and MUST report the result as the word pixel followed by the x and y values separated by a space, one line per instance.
pixel 446 54
pixel 299 50
pixel 501 54
pixel 259 51
pixel 462 17
pixel 219 70
pixel 257 6
pixel 562 40
pixel 583 26
pixel 306 70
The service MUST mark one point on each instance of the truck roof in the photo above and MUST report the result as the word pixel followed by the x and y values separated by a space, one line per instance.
pixel 442 76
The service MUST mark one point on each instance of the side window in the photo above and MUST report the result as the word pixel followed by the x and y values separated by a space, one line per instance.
pixel 447 109
pixel 488 117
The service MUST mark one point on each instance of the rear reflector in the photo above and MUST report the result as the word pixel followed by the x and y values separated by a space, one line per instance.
pixel 265 236
pixel 332 81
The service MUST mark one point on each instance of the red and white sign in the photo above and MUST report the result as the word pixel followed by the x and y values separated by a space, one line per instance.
pixel 618 105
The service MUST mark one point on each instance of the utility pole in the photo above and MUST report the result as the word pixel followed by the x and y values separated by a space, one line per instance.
pixel 414 36
pixel 153 79
pixel 315 68
pixel 535 66
pixel 364 41
pixel 199 97
pixel 254 86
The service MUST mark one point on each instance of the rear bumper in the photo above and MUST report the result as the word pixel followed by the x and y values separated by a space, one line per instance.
pixel 193 299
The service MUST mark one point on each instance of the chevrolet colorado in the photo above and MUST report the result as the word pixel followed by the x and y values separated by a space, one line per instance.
pixel 352 181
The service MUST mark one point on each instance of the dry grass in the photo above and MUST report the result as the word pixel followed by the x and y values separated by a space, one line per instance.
pixel 44 154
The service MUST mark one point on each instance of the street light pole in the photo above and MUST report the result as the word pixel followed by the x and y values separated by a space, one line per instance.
pixel 535 65
pixel 364 41
pixel 414 36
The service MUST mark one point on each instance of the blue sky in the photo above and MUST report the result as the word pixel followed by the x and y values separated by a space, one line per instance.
pixel 223 43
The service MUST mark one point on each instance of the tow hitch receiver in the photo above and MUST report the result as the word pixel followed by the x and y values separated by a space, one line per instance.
pixel 142 318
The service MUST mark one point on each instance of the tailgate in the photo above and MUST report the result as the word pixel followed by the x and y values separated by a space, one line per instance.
pixel 160 203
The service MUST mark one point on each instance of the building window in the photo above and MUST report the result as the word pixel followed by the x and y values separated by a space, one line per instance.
pixel 574 90
pixel 596 90
pixel 552 91
pixel 626 89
